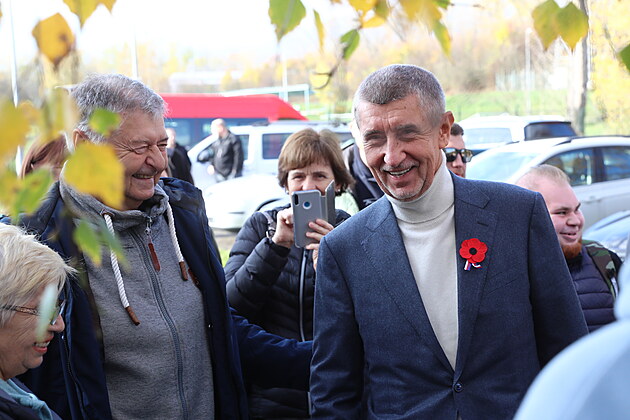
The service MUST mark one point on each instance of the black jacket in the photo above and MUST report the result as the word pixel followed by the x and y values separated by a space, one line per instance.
pixel 71 379
pixel 228 156
pixel 273 287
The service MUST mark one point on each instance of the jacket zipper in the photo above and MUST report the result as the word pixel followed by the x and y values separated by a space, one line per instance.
pixel 148 259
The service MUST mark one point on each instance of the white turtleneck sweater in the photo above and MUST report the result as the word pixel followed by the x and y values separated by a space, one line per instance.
pixel 427 225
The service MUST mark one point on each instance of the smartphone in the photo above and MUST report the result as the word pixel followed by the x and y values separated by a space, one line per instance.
pixel 308 206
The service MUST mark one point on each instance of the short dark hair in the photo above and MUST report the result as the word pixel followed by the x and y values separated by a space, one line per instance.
pixel 397 81
pixel 457 130
pixel 306 147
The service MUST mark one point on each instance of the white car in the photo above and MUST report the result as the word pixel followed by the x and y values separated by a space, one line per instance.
pixel 482 133
pixel 230 203
pixel 261 147
pixel 598 167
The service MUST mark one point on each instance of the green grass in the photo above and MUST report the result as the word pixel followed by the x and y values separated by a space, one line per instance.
pixel 542 102
pixel 224 253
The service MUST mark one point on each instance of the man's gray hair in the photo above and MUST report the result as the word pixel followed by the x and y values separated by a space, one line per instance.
pixel 398 81
pixel 115 93
pixel 26 266
pixel 531 178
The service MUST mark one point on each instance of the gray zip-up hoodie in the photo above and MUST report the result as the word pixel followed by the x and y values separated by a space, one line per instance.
pixel 159 369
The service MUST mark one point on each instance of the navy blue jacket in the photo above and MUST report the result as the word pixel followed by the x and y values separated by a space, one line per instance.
pixel 375 353
pixel 72 380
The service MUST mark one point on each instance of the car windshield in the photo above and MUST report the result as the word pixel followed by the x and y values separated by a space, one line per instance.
pixel 543 130
pixel 497 166
pixel 476 136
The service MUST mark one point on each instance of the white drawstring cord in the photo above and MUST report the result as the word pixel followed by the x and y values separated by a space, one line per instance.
pixel 178 252
pixel 118 275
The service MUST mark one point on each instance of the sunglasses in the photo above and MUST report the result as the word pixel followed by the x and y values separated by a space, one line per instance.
pixel 59 309
pixel 451 154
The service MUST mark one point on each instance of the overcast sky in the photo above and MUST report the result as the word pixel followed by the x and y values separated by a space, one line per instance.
pixel 217 27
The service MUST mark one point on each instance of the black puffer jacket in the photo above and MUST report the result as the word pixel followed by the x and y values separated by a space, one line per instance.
pixel 273 287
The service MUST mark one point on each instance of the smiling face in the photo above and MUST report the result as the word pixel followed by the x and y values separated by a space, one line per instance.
pixel 140 143
pixel 564 209
pixel 19 349
pixel 402 146
pixel 316 176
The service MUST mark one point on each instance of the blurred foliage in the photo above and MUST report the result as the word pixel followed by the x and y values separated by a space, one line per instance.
pixel 91 169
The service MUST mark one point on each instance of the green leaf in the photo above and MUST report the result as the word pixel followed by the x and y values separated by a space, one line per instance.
pixel 545 22
pixel 46 309
pixel 572 24
pixel 104 122
pixel 321 31
pixel 87 240
pixel 13 126
pixel 382 9
pixel 624 54
pixel 443 3
pixel 350 42
pixel 443 37
pixel 32 191
pixel 286 15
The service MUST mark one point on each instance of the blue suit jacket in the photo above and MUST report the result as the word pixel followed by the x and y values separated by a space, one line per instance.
pixel 375 353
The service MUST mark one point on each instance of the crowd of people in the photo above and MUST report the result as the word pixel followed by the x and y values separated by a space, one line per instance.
pixel 428 295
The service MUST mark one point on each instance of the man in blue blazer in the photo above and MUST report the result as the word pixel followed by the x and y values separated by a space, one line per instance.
pixel 447 296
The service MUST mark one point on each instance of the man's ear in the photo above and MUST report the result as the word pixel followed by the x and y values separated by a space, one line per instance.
pixel 78 137
pixel 445 128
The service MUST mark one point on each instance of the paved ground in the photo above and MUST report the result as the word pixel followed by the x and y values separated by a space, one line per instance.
pixel 225 238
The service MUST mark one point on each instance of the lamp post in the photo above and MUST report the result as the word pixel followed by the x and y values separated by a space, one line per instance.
pixel 528 71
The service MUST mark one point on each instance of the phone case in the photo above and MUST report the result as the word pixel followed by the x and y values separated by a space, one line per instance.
pixel 308 206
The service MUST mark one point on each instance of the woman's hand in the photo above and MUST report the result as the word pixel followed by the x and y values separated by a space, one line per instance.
pixel 284 228
pixel 320 229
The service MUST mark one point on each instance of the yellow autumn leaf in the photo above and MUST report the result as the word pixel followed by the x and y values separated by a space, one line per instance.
pixel 94 169
pixel 13 126
pixel 362 5
pixel 572 24
pixel 84 8
pixel 321 31
pixel 373 22
pixel 411 7
pixel 59 114
pixel 30 111
pixel 10 188
pixel 54 38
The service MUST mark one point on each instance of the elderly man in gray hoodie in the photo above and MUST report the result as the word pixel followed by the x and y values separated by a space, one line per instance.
pixel 153 338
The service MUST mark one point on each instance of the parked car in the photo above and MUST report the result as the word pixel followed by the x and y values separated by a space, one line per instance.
pixel 229 204
pixel 261 147
pixel 483 133
pixel 598 168
pixel 613 232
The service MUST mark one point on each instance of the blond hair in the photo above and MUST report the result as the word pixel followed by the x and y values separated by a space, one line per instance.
pixel 531 179
pixel 26 266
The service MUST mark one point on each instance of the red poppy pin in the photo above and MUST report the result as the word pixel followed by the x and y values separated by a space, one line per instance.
pixel 474 251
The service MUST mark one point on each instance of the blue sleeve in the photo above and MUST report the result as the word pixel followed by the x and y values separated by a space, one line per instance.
pixel 271 361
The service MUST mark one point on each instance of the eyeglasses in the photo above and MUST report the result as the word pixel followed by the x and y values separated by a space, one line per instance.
pixel 59 309
pixel 451 154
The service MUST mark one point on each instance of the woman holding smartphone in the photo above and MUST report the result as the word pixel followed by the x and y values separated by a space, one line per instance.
pixel 270 281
